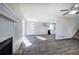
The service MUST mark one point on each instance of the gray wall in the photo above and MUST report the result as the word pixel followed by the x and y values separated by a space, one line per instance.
pixel 6 28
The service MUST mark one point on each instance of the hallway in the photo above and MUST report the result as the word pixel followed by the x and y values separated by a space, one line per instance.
pixel 49 46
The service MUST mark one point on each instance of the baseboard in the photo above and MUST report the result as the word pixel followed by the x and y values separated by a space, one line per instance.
pixel 67 37
pixel 39 34
pixel 36 34
pixel 64 39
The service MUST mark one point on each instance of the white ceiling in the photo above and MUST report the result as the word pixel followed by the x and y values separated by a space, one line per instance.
pixel 43 12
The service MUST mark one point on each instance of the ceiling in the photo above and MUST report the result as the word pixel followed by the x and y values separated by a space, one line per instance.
pixel 42 12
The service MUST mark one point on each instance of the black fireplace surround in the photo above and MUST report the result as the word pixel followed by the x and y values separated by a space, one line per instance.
pixel 6 47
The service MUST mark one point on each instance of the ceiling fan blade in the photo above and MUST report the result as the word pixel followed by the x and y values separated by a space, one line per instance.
pixel 77 13
pixel 64 10
pixel 73 5
pixel 65 13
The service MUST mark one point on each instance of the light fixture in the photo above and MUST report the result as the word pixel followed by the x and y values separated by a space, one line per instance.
pixel 73 12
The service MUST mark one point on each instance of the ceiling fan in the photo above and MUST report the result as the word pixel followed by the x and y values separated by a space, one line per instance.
pixel 73 10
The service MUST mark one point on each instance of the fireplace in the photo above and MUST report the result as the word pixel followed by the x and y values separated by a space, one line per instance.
pixel 6 47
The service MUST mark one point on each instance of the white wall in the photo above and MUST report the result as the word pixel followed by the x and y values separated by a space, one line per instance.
pixel 30 28
pixel 35 28
pixel 17 36
pixel 6 24
pixel 66 26
pixel 6 28
pixel 18 25
pixel 41 29
pixel 52 28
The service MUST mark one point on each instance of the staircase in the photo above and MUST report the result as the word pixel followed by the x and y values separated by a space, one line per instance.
pixel 76 36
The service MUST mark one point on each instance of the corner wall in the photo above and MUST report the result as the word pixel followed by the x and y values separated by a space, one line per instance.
pixel 17 36
pixel 66 26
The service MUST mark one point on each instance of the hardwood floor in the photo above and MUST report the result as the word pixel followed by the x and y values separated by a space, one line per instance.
pixel 49 46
